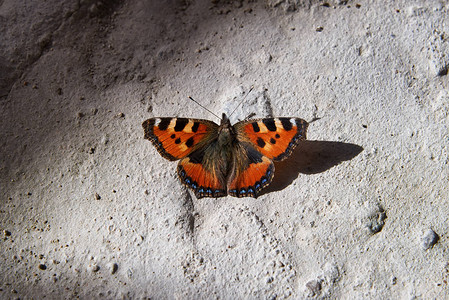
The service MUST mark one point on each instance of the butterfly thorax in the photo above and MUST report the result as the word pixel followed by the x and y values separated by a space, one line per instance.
pixel 226 134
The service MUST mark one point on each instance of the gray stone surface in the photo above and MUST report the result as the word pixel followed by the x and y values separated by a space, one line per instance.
pixel 89 209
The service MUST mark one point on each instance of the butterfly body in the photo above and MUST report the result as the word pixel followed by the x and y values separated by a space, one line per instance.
pixel 217 160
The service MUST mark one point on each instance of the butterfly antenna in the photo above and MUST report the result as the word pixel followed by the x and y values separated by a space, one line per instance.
pixel 242 101
pixel 203 107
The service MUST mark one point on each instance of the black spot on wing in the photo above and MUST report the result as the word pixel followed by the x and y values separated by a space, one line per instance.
pixel 163 124
pixel 286 123
pixel 181 124
pixel 260 142
pixel 272 141
pixel 189 142
pixel 197 156
pixel 269 123
pixel 256 127
pixel 178 141
pixel 195 126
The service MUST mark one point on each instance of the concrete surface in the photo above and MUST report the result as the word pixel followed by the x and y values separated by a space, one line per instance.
pixel 89 209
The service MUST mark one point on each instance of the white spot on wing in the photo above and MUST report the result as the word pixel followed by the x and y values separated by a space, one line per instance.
pixel 262 127
pixel 189 126
pixel 278 124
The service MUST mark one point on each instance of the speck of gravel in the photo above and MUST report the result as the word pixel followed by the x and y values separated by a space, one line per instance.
pixel 429 239
pixel 113 267
pixel 314 286
pixel 376 220
pixel 93 268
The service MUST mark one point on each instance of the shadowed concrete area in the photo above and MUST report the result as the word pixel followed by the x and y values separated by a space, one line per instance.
pixel 89 208
pixel 311 157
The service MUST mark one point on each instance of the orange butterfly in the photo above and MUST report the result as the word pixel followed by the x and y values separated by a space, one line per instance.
pixel 217 160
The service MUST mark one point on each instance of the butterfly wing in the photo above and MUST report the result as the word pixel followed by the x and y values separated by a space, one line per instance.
pixel 251 172
pixel 189 140
pixel 262 141
pixel 200 171
pixel 275 138
pixel 175 138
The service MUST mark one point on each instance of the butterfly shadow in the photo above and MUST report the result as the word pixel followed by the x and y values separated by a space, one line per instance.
pixel 310 157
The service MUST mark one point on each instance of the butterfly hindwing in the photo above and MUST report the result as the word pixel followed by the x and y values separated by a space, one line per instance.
pixel 252 171
pixel 175 138
pixel 275 138
pixel 204 182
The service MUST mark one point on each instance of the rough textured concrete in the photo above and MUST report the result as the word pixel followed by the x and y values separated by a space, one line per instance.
pixel 90 209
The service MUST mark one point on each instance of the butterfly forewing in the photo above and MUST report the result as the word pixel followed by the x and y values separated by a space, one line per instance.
pixel 175 138
pixel 273 137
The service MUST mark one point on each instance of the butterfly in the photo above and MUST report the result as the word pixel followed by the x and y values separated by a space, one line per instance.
pixel 219 160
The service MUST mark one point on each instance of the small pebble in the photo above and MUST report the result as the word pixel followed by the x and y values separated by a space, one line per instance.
pixel 443 71
pixel 113 267
pixel 93 268
pixel 429 239
pixel 98 197
pixel 105 140
pixel 42 267
pixel 314 286
pixel 376 220
pixel 6 232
